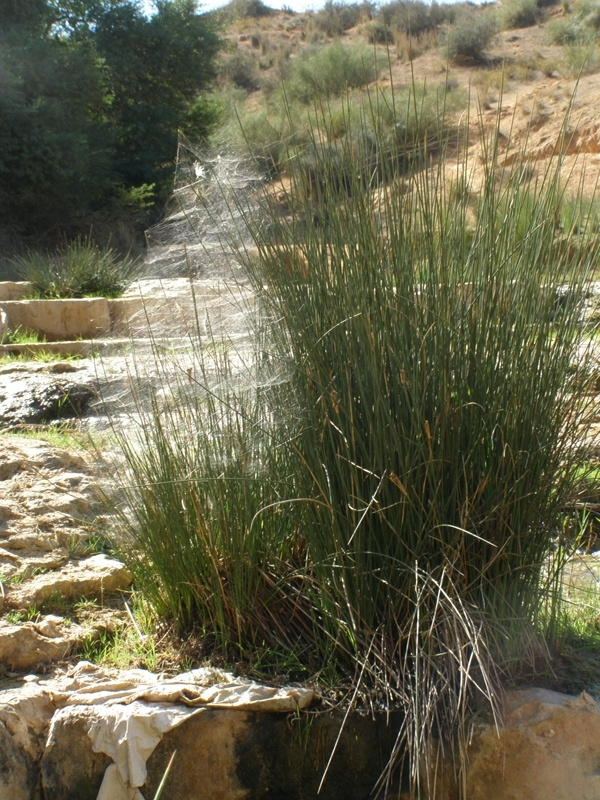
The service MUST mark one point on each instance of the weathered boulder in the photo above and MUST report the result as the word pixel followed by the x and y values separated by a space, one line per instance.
pixel 32 400
pixel 69 767
pixel 14 290
pixel 19 778
pixel 86 577
pixel 222 754
pixel 25 646
pixel 94 734
pixel 548 747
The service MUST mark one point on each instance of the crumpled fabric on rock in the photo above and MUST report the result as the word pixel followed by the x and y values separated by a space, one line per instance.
pixel 133 709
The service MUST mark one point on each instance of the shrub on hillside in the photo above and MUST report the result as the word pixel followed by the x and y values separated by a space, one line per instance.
pixel 243 9
pixel 267 136
pixel 414 17
pixel 379 33
pixel 470 37
pixel 519 13
pixel 566 29
pixel 589 12
pixel 582 57
pixel 335 17
pixel 329 71
pixel 241 69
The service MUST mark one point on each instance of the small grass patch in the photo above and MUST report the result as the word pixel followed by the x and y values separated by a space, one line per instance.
pixel 20 617
pixel 131 645
pixel 59 435
pixel 40 355
pixel 22 336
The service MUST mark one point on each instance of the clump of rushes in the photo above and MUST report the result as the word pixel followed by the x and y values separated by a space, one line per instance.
pixel 383 498
pixel 77 269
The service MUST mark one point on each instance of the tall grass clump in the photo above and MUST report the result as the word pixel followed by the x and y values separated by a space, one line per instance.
pixel 210 546
pixel 77 269
pixel 382 500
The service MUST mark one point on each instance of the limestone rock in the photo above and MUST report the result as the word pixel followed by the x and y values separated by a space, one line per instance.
pixel 87 318
pixel 89 577
pixel 47 497
pixel 549 747
pixel 27 712
pixel 226 755
pixel 19 778
pixel 14 290
pixel 69 768
pixel 23 647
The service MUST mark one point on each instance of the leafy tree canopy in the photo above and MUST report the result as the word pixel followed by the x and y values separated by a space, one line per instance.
pixel 93 94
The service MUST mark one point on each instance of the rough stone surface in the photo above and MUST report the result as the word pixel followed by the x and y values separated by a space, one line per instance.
pixel 230 755
pixel 25 646
pixel 48 499
pixel 549 747
pixel 87 318
pixel 19 778
pixel 87 577
pixel 14 290
pixel 69 768
pixel 26 710
pixel 43 400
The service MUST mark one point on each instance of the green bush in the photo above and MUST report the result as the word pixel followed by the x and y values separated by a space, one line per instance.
pixel 578 26
pixel 414 17
pixel 246 9
pixel 335 17
pixel 589 12
pixel 241 69
pixel 568 29
pixel 386 132
pixel 330 71
pixel 77 269
pixel 471 35
pixel 268 136
pixel 519 13
pixel 379 33
pixel 383 483
pixel 582 56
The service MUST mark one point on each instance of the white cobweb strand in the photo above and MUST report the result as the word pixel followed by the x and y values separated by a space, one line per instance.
pixel 207 224
pixel 194 296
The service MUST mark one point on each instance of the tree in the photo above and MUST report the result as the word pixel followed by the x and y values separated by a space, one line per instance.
pixel 157 67
pixel 53 160
pixel 94 93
